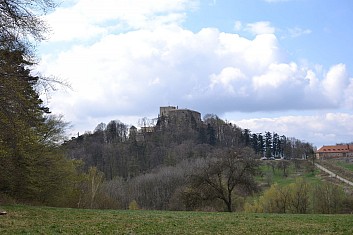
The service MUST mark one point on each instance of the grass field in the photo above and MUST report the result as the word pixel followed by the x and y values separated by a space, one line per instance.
pixel 44 220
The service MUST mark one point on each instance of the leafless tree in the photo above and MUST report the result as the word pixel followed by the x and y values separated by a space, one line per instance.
pixel 224 173
pixel 20 22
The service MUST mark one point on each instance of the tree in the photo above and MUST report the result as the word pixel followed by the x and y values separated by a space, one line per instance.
pixel 268 144
pixel 211 136
pixel 95 179
pixel 246 134
pixel 116 131
pixel 224 173
pixel 327 198
pixel 261 144
pixel 19 21
pixel 32 166
pixel 214 128
pixel 283 165
pixel 276 199
pixel 299 196
pixel 254 143
pixel 20 105
pixel 53 131
pixel 282 145
pixel 22 121
pixel 275 145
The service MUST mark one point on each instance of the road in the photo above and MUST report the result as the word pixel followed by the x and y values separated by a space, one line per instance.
pixel 332 174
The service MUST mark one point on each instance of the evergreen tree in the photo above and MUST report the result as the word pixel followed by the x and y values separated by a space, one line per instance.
pixel 246 135
pixel 211 134
pixel 268 144
pixel 255 143
pixel 275 145
pixel 261 144
pixel 32 165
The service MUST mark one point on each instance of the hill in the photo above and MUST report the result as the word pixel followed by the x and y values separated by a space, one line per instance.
pixel 120 150
pixel 159 165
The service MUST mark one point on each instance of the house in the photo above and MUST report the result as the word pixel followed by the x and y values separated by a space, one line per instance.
pixel 335 151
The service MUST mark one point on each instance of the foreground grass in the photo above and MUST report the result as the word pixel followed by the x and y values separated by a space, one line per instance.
pixel 42 220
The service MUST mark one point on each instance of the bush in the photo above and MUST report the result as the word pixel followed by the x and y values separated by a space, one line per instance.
pixel 133 205
pixel 326 198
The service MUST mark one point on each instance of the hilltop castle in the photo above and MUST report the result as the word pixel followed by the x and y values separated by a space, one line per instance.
pixel 169 115
pixel 176 115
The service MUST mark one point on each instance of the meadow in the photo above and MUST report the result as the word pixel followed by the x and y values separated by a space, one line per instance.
pixel 47 220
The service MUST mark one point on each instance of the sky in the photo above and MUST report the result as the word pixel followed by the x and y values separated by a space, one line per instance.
pixel 282 66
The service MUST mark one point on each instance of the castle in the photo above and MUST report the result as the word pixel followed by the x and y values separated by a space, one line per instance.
pixel 169 115
pixel 179 115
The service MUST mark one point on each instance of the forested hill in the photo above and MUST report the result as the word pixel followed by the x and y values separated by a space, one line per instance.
pixel 118 149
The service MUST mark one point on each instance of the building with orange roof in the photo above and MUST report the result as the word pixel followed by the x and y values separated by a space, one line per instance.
pixel 335 151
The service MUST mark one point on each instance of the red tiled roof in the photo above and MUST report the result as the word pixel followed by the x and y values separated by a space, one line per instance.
pixel 344 148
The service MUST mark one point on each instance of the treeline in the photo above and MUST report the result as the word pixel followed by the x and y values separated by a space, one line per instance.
pixel 118 150
pixel 214 183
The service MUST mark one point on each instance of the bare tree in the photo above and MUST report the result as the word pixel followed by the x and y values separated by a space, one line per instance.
pixel 224 173
pixel 284 166
pixel 19 21
pixel 299 199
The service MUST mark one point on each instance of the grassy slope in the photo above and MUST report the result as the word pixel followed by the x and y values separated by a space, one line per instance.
pixel 348 166
pixel 339 167
pixel 277 175
pixel 42 220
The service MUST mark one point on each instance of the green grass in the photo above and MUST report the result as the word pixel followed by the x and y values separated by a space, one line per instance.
pixel 43 220
pixel 277 175
pixel 348 166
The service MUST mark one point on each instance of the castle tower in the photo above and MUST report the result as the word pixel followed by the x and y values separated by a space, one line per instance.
pixel 164 111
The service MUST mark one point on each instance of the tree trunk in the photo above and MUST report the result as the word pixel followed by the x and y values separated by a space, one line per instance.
pixel 229 202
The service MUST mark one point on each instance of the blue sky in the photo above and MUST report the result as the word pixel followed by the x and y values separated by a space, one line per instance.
pixel 312 30
pixel 266 65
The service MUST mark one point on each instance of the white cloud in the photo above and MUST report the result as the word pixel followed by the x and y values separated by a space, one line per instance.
pixel 131 73
pixel 261 27
pixel 348 95
pixel 87 19
pixel 138 70
pixel 228 76
pixel 265 27
pixel 297 32
pixel 238 25
pixel 335 83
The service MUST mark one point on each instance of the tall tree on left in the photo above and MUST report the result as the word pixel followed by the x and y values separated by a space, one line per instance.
pixel 31 165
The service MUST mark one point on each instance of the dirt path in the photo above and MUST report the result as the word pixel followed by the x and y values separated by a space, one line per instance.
pixel 332 174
